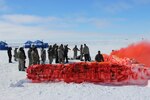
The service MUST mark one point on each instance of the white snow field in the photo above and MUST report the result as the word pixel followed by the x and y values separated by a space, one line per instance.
pixel 15 86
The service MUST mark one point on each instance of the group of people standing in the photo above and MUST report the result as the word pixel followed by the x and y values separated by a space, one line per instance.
pixel 84 52
pixel 60 53
pixel 55 52
pixel 19 55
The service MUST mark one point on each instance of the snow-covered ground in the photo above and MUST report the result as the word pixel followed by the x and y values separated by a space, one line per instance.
pixel 15 86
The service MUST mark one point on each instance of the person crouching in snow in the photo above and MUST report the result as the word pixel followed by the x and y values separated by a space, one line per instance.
pixel 21 59
pixel 99 57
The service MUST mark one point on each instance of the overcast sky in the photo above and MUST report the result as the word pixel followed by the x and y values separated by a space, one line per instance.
pixel 61 20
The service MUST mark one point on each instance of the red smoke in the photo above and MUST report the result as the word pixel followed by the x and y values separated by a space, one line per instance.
pixel 139 51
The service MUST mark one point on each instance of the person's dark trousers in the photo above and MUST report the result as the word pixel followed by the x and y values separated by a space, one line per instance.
pixel 66 58
pixel 10 57
pixel 56 61
pixel 87 57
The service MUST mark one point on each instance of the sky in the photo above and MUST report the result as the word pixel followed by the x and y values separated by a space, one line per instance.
pixel 74 20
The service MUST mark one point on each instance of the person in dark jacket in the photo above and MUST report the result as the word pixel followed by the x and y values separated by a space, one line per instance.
pixel 81 53
pixel 9 54
pixel 56 54
pixel 24 56
pixel 66 53
pixel 99 57
pixel 29 56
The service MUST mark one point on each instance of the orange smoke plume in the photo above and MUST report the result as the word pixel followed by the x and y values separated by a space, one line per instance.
pixel 139 51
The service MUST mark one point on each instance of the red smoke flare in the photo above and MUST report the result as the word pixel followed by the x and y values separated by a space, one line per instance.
pixel 139 51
